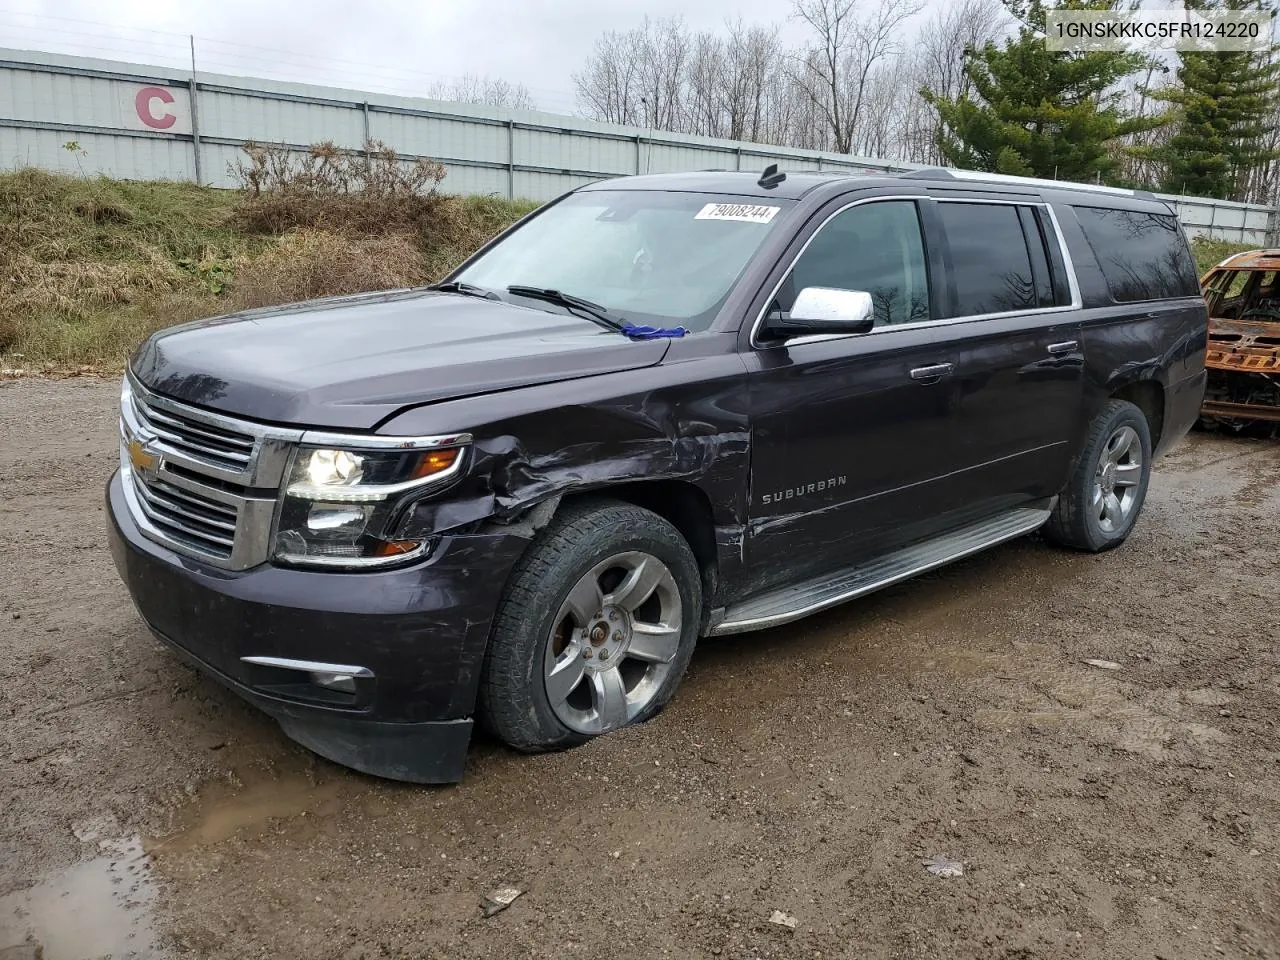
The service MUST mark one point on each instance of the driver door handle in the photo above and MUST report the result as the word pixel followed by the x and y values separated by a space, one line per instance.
pixel 1067 346
pixel 933 372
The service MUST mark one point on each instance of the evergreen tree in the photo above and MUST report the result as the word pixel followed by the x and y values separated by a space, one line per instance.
pixel 1227 105
pixel 1036 112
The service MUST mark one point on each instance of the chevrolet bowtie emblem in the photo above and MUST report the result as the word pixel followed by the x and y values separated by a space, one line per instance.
pixel 142 459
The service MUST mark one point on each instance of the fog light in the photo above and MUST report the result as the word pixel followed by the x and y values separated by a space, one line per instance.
pixel 342 682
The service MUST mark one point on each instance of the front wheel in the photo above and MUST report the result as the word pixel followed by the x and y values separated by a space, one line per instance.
pixel 598 623
pixel 1101 502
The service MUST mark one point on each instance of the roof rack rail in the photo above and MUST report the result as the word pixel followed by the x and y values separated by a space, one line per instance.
pixel 946 173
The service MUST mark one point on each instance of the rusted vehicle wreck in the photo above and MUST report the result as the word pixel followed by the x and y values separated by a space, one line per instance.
pixel 1243 360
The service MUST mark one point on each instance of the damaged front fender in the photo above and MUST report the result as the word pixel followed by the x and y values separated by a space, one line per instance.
pixel 534 447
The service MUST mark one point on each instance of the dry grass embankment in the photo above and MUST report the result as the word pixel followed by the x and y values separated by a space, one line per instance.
pixel 89 267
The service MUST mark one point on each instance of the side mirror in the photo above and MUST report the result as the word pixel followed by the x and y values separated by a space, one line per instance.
pixel 819 310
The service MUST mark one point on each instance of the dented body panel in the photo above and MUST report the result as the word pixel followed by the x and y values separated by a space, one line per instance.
pixel 776 459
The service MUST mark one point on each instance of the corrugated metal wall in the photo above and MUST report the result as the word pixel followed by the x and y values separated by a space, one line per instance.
pixel 138 122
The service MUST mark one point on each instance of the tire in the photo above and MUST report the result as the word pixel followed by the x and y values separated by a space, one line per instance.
pixel 1100 504
pixel 556 674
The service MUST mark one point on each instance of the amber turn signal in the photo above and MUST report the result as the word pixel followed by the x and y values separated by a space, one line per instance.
pixel 434 462
pixel 394 548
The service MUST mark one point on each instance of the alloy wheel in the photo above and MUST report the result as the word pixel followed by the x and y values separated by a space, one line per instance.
pixel 1117 479
pixel 612 643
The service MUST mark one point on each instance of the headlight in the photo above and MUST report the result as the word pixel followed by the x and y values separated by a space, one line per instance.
pixel 339 504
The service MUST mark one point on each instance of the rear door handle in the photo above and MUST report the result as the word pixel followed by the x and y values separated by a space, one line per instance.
pixel 935 371
pixel 1067 346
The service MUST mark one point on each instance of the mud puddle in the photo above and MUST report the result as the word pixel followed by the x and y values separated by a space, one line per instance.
pixel 98 908
pixel 103 907
pixel 223 811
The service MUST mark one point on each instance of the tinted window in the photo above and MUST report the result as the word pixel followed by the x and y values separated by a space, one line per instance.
pixel 874 247
pixel 1142 255
pixel 1057 264
pixel 989 259
pixel 1039 262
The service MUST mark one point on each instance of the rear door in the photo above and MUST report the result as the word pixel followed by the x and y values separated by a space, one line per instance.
pixel 1011 336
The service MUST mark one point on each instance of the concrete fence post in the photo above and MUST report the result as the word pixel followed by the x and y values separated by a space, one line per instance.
pixel 195 130
pixel 193 94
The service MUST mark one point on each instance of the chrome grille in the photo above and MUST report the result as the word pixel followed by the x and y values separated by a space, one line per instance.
pixel 201 483
pixel 214 445
pixel 198 522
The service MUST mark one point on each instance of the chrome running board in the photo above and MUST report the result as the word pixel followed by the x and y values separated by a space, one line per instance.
pixel 792 603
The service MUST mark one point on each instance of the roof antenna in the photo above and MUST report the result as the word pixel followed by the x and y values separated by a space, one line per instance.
pixel 771 177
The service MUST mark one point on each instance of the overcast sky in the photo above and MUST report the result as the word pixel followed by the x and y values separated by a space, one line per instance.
pixel 387 45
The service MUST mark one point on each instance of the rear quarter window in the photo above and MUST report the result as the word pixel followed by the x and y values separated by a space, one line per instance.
pixel 1143 255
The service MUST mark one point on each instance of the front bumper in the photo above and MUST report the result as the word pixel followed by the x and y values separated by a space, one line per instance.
pixel 420 633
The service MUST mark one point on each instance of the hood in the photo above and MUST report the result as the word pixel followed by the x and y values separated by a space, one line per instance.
pixel 350 362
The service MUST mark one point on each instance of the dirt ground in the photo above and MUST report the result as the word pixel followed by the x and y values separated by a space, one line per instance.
pixel 809 769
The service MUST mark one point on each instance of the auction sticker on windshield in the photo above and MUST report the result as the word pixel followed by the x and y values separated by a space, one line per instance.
pixel 744 212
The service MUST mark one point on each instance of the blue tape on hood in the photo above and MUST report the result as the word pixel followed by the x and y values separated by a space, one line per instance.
pixel 640 332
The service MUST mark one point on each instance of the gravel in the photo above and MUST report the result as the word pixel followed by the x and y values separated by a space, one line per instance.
pixel 1097 813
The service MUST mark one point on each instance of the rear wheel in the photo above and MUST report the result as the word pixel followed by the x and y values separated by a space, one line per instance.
pixel 1100 504
pixel 597 626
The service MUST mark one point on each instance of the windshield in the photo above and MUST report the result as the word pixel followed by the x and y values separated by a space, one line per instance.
pixel 648 257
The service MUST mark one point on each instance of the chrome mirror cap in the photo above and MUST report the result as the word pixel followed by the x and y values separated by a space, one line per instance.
pixel 822 306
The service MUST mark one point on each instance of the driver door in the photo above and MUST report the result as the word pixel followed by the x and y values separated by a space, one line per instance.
pixel 850 450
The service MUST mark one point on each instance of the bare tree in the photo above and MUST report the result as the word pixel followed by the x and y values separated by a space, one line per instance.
pixel 608 85
pixel 853 89
pixel 708 87
pixel 819 71
pixel 1137 154
pixel 937 61
pixel 638 76
pixel 1263 183
pixel 487 91
pixel 833 71
pixel 662 52
pixel 946 38
pixel 753 58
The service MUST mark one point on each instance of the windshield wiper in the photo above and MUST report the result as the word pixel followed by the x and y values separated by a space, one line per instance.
pixel 593 311
pixel 466 289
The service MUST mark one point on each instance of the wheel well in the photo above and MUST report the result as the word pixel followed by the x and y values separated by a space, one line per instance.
pixel 1147 396
pixel 686 508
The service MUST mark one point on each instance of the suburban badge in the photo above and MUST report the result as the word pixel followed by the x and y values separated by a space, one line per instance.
pixel 802 490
